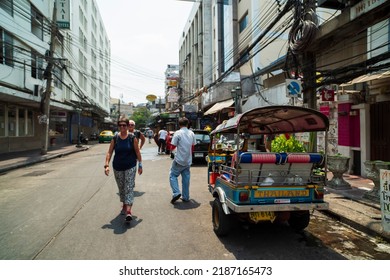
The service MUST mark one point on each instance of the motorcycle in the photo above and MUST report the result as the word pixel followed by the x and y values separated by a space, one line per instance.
pixel 83 139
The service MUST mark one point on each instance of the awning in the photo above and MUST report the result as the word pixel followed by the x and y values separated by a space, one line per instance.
pixel 219 106
pixel 367 78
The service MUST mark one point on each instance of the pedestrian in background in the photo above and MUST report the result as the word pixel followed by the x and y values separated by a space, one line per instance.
pixel 140 137
pixel 184 141
pixel 162 135
pixel 126 155
pixel 149 134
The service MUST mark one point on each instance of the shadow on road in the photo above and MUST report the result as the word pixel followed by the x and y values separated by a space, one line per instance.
pixel 181 205
pixel 138 194
pixel 119 226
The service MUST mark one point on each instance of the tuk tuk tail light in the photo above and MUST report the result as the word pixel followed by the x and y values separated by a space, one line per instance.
pixel 318 193
pixel 243 196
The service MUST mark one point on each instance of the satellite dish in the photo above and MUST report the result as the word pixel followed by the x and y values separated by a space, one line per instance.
pixel 151 97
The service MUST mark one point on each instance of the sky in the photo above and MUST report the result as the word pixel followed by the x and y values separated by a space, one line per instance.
pixel 144 36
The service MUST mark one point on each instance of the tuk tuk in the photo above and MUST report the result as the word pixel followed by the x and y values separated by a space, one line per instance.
pixel 258 186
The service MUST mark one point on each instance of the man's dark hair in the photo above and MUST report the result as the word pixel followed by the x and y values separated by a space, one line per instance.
pixel 183 122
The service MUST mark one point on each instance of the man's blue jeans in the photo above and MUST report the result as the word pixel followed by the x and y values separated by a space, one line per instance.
pixel 184 171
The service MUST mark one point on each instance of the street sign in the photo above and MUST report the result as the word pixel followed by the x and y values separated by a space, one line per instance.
pixel 327 95
pixel 294 88
pixel 384 193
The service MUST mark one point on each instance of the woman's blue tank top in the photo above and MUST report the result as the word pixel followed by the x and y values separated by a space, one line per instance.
pixel 125 157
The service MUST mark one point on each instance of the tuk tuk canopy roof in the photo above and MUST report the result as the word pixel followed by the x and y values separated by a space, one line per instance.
pixel 275 120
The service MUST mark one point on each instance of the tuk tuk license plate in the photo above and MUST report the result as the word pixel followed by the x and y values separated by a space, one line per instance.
pixel 262 216
pixel 281 193
pixel 198 155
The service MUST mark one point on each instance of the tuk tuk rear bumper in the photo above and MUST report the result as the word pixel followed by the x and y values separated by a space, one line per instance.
pixel 276 207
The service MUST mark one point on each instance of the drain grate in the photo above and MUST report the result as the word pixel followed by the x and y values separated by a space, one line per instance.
pixel 37 173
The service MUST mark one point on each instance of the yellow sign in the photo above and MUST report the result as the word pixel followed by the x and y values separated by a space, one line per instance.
pixel 281 193
pixel 151 97
pixel 172 83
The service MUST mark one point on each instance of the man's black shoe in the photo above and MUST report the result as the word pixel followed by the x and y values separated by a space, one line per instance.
pixel 185 200
pixel 175 198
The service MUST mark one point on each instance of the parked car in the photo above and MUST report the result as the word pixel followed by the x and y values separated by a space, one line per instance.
pixel 106 136
pixel 201 147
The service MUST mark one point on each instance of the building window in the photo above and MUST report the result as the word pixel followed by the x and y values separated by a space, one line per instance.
pixel 6 48
pixel 57 77
pixel 243 22
pixel 16 121
pixel 12 121
pixel 244 56
pixel 7 6
pixel 22 122
pixel 36 23
pixel 36 66
pixel 2 120
pixel 93 55
pixel 93 91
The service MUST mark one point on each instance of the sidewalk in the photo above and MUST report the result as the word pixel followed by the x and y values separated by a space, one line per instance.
pixel 349 206
pixel 14 160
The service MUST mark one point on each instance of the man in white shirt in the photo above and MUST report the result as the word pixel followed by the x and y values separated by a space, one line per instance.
pixel 184 141
pixel 162 135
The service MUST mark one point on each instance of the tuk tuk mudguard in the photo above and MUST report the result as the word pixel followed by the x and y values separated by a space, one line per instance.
pixel 220 194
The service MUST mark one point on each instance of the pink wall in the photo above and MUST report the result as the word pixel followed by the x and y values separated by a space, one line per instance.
pixel 348 126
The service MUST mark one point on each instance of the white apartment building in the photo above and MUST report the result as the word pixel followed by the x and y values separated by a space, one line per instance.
pixel 224 46
pixel 213 51
pixel 81 71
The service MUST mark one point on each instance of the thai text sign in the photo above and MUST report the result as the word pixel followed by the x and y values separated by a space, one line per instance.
pixel 384 193
pixel 63 14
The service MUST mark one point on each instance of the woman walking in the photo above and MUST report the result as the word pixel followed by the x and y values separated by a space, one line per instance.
pixel 126 155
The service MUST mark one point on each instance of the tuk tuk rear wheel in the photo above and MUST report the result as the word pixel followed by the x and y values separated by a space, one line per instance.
pixel 299 220
pixel 221 221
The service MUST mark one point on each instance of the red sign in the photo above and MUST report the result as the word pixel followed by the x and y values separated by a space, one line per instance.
pixel 325 110
pixel 327 95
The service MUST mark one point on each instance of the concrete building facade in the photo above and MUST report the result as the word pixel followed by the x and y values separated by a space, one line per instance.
pixel 79 92
pixel 250 46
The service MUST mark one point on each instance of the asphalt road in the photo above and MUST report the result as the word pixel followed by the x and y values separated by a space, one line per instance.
pixel 67 209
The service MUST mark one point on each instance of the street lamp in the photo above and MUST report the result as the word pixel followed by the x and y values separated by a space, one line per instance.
pixel 237 95
pixel 78 110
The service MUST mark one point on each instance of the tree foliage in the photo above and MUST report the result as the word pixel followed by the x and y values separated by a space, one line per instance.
pixel 141 116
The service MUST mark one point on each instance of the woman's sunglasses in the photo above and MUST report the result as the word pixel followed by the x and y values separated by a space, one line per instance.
pixel 122 125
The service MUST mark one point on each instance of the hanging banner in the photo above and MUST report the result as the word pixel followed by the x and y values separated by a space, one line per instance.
pixel 63 14
pixel 384 193
pixel 327 94
pixel 173 96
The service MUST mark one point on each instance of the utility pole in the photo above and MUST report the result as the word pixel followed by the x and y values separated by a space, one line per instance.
pixel 309 70
pixel 309 66
pixel 49 77
pixel 119 108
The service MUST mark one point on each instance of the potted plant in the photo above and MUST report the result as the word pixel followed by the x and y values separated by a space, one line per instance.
pixel 285 144
pixel 372 170
pixel 338 165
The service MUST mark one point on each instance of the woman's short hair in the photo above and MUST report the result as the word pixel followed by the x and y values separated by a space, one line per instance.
pixel 123 120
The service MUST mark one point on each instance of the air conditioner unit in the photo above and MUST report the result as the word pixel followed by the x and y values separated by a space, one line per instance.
pixel 38 90
pixel 331 4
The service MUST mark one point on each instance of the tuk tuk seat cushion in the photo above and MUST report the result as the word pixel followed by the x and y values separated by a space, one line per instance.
pixel 248 157
pixel 304 158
